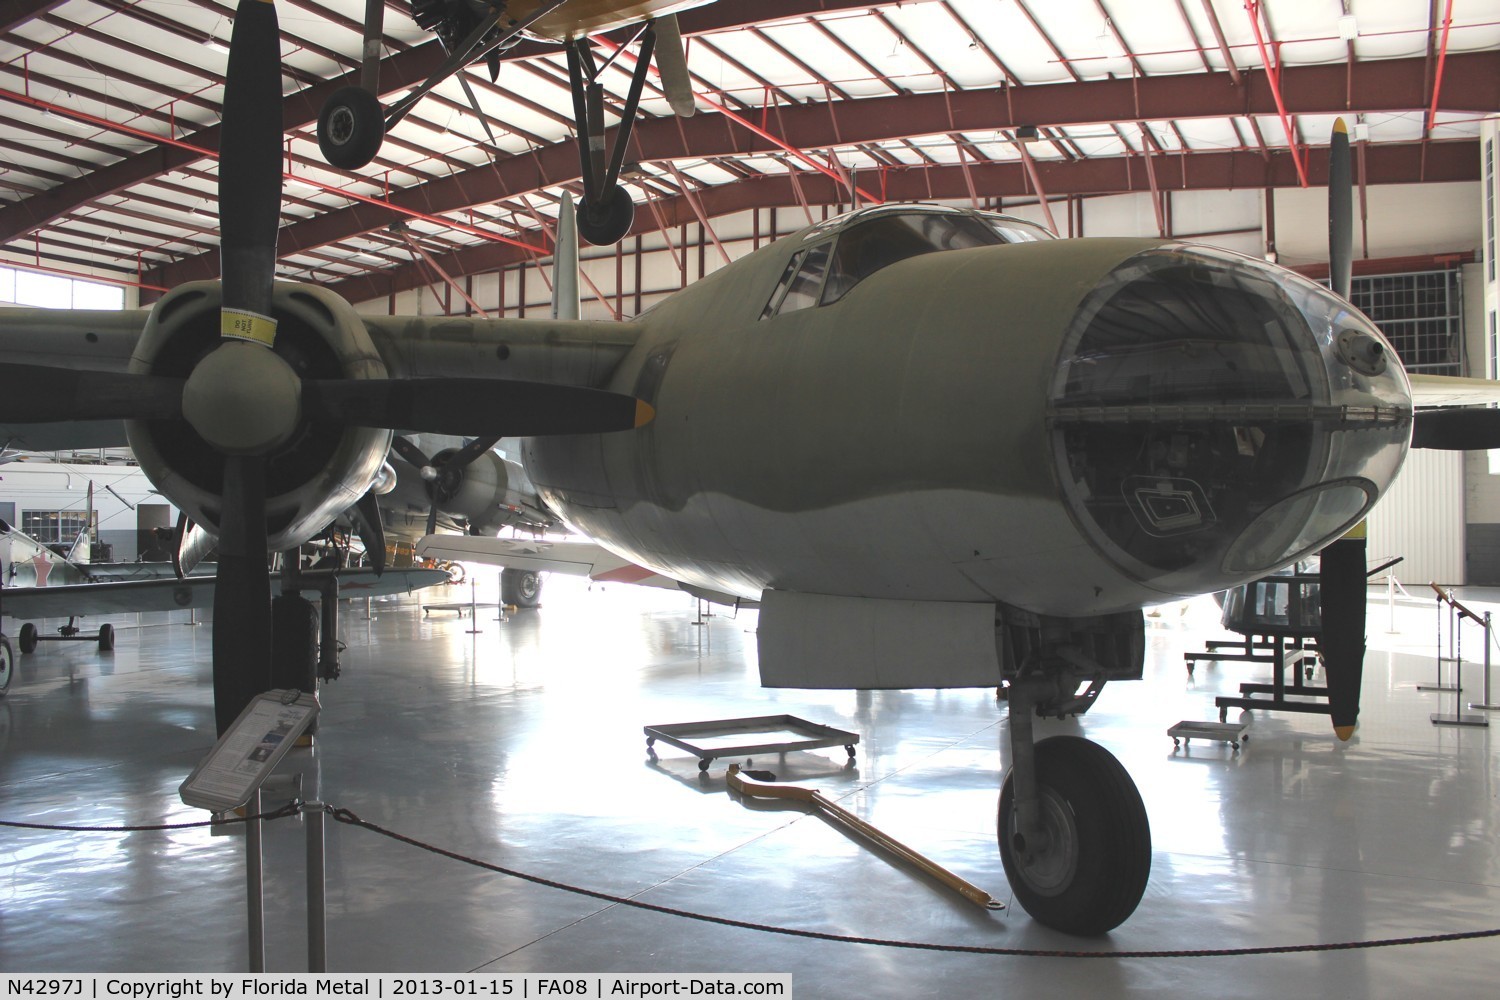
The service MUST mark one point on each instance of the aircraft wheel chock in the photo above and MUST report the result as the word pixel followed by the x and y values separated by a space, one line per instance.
pixel 106 637
pixel 351 128
pixel 613 218
pixel 28 638
pixel 7 665
pixel 1092 872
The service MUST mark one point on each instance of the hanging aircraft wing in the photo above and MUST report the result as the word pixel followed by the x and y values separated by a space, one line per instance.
pixel 194 592
pixel 1451 390
pixel 573 558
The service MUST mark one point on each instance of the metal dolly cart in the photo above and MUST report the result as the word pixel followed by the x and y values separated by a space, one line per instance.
pixel 691 736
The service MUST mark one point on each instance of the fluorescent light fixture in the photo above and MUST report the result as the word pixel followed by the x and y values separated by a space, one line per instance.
pixel 1348 29
pixel 214 45
pixel 72 123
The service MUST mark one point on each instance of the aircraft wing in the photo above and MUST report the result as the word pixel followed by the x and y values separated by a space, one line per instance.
pixel 574 558
pixel 561 353
pixel 1451 390
pixel 98 339
pixel 194 592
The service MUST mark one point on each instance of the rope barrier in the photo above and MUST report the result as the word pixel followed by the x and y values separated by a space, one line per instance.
pixel 349 818
pixel 290 809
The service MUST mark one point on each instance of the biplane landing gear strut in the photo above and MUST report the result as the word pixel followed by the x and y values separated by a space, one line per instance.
pixel 606 210
pixel 351 126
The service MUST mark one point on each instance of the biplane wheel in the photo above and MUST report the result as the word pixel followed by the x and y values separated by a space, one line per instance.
pixel 106 637
pixel 7 665
pixel 618 212
pixel 28 638
pixel 1092 872
pixel 351 128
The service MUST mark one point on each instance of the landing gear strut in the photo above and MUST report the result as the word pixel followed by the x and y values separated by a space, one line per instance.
pixel 1073 832
pixel 606 211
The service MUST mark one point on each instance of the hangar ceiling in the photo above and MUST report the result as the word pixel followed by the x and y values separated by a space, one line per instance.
pixel 110 110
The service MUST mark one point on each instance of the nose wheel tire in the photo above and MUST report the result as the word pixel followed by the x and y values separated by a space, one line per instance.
pixel 351 128
pixel 1092 871
pixel 28 638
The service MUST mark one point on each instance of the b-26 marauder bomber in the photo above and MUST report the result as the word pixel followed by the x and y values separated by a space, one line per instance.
pixel 940 447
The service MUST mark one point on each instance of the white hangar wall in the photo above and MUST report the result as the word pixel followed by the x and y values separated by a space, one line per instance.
pixel 126 505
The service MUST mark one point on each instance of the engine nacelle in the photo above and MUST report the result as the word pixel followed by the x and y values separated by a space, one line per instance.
pixel 492 493
pixel 322 469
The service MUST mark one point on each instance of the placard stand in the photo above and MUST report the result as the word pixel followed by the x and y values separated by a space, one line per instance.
pixel 231 776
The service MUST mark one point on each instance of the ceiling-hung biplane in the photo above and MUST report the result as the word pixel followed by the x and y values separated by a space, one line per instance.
pixel 940 446
pixel 352 124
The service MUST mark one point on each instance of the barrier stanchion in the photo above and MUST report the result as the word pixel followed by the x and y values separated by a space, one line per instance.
pixel 1438 685
pixel 1458 613
pixel 1487 704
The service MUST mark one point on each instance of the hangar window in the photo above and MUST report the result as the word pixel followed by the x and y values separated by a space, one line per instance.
pixel 58 527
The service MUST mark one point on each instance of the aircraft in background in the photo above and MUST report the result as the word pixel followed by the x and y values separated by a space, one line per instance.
pixel 940 446
pixel 352 124
pixel 36 582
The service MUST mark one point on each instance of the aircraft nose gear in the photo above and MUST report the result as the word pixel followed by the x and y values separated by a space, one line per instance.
pixel 1074 837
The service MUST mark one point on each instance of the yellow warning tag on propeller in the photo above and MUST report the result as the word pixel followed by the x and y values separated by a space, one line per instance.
pixel 241 324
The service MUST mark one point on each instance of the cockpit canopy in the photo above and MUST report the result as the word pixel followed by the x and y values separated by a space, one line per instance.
pixel 844 251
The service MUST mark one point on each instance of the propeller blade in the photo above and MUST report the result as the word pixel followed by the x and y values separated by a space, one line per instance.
pixel 410 453
pixel 366 515
pixel 242 592
pixel 1465 429
pixel 432 513
pixel 1340 212
pixel 42 394
pixel 466 406
pixel 465 456
pixel 249 216
pixel 192 544
pixel 1341 590
pixel 671 63
pixel 250 172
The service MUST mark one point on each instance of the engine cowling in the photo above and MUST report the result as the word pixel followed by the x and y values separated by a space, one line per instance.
pixel 322 469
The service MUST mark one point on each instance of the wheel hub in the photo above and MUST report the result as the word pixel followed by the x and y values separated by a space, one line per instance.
pixel 340 126
pixel 1049 867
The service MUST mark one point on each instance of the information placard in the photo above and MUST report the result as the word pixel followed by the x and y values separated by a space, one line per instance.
pixel 249 750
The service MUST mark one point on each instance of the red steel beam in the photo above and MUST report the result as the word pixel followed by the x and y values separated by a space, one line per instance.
pixel 1437 83
pixel 1238 170
pixel 1273 73
pixel 1474 84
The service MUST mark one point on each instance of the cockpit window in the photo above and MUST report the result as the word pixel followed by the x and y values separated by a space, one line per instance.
pixel 882 241
pixel 887 235
pixel 1016 231
pixel 799 284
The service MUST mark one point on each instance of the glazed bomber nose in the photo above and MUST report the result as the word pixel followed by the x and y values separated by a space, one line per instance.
pixel 1213 419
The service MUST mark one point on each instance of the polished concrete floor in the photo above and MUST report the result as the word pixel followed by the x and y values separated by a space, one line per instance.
pixel 522 746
